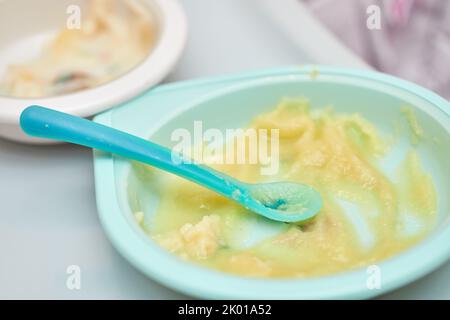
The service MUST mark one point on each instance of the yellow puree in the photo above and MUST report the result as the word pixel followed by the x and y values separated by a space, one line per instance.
pixel 337 155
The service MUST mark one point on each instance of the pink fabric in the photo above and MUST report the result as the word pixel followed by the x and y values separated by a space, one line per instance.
pixel 413 42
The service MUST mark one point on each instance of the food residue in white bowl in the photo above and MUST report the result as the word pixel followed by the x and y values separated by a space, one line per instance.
pixel 112 39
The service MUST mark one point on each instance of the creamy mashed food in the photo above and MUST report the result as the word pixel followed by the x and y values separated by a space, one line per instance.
pixel 112 39
pixel 338 155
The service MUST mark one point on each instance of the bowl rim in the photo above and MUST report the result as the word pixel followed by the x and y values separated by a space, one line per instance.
pixel 199 281
pixel 161 59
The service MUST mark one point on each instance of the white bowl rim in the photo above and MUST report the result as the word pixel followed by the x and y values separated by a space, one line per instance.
pixel 85 103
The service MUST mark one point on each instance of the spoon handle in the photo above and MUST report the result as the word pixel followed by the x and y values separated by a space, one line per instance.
pixel 47 123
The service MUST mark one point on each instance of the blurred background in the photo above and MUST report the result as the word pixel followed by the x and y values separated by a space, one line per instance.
pixel 412 41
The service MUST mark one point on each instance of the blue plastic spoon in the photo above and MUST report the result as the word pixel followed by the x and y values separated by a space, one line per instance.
pixel 279 201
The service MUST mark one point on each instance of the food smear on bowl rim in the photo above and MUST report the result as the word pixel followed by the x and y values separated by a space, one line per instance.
pixel 337 154
pixel 113 38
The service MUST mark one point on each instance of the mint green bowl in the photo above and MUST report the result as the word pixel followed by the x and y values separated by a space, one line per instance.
pixel 230 102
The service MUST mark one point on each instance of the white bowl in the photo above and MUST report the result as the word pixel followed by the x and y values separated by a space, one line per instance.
pixel 26 25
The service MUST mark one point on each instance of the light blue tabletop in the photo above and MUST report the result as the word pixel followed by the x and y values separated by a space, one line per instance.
pixel 48 218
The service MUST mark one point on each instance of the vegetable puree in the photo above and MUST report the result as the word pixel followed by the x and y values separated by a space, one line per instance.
pixel 338 155
pixel 111 40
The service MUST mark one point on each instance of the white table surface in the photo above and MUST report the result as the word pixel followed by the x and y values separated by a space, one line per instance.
pixel 48 217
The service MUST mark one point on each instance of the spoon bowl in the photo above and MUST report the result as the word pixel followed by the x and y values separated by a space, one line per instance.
pixel 283 201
